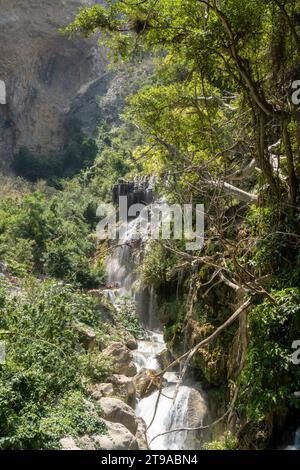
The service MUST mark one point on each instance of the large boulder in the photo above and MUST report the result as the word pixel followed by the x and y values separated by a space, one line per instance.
pixel 124 388
pixel 131 342
pixel 164 358
pixel 196 415
pixel 118 437
pixel 145 383
pixel 117 411
pixel 141 434
pixel 196 410
pixel 121 359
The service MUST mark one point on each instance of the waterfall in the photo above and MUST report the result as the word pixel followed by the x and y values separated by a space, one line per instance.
pixel 296 444
pixel 145 355
pixel 170 414
pixel 189 408
pixel 122 267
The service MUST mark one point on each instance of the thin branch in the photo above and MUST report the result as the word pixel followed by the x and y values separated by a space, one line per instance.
pixel 201 428
pixel 189 354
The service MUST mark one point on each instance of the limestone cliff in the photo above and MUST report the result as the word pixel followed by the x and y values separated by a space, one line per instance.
pixel 44 73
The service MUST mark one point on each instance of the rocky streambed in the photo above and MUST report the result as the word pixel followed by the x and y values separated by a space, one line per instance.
pixel 129 398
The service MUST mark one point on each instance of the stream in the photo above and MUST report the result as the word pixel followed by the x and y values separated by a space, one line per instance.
pixel 296 445
pixel 170 414
pixel 189 409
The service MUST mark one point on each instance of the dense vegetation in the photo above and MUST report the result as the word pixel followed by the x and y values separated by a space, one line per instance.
pixel 49 261
pixel 220 127
pixel 42 386
pixel 216 125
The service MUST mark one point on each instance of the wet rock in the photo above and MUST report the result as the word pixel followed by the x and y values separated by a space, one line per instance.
pixel 121 358
pixel 196 408
pixel 131 343
pixel 117 411
pixel 164 358
pixel 197 415
pixel 145 383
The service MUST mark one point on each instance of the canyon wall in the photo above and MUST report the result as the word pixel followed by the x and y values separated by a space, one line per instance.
pixel 45 75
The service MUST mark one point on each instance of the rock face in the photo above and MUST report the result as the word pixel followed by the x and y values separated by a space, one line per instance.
pixel 144 383
pixel 117 437
pixel 124 388
pixel 121 358
pixel 117 411
pixel 44 74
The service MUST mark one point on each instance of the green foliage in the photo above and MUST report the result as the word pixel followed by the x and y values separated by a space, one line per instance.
pixel 227 442
pixel 208 111
pixel 115 159
pixel 44 367
pixel 96 367
pixel 72 416
pixel 156 269
pixel 50 238
pixel 89 19
pixel 128 317
pixel 269 380
pixel 275 246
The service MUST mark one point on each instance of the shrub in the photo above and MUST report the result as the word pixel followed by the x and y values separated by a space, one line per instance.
pixel 44 364
pixel 269 380
pixel 227 442
pixel 127 316
pixel 79 152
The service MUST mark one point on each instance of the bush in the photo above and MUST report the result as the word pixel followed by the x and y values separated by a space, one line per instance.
pixel 156 269
pixel 128 317
pixel 227 442
pixel 269 380
pixel 37 237
pixel 44 364
pixel 72 416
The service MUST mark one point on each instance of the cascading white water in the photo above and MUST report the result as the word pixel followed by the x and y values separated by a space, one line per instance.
pixel 145 355
pixel 296 445
pixel 170 414
pixel 122 273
